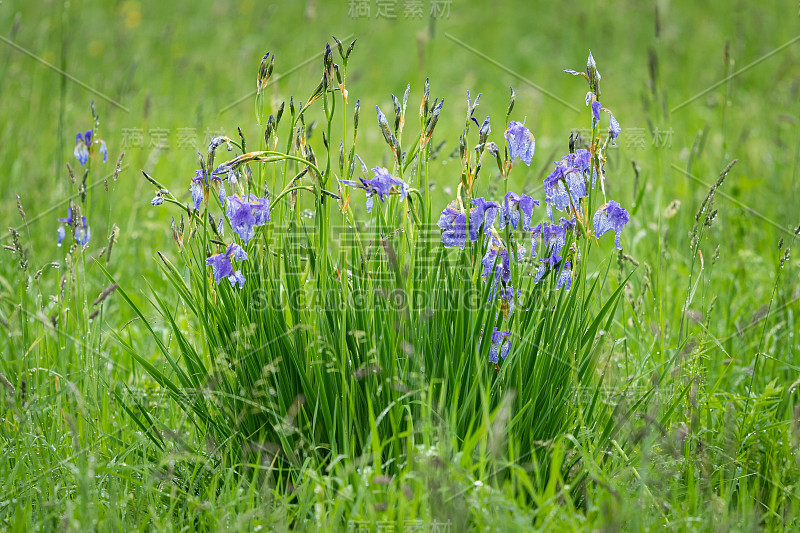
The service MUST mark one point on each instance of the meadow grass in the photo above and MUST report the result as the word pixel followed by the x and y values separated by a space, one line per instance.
pixel 157 408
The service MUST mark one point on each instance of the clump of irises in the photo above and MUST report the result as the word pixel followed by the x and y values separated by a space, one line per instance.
pixel 504 228
pixel 229 187
pixel 243 211
pixel 511 239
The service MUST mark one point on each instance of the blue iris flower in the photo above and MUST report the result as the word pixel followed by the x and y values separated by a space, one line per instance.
pixel 596 107
pixel 509 215
pixel 381 185
pixel 550 262
pixel 553 237
pixel 521 143
pixel 614 129
pixel 80 228
pixel 104 151
pixel 223 267
pixel 83 147
pixel 569 180
pixel 610 217
pixel 526 205
pixel 453 224
pixel 514 207
pixel 500 345
pixel 498 259
pixel 502 265
pixel 199 183
pixel 82 143
pixel 246 213
pixel 565 277
pixel 483 214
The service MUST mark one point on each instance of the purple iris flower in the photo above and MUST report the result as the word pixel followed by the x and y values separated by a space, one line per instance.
pixel 223 268
pixel 568 179
pixel 82 144
pixel 199 182
pixel 576 182
pixel 158 200
pixel 246 213
pixel 490 259
pixel 82 232
pixel 241 216
pixel 526 205
pixel 580 161
pixel 551 262
pixel 509 214
pixel 383 182
pixel 614 129
pixel 515 206
pixel 80 229
pixel 555 190
pixel 104 151
pixel 540 272
pixel 260 209
pixel 66 221
pixel 558 234
pixel 222 195
pixel 381 185
pixel 499 260
pixel 610 217
pixel 500 344
pixel 565 277
pixel 596 107
pixel 521 143
pixel 453 224
pixel 484 213
pixel 553 237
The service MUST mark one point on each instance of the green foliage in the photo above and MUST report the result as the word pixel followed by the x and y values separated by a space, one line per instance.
pixel 661 391
pixel 359 354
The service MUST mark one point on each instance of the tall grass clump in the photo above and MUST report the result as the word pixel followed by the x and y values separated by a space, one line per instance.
pixel 302 328
pixel 55 367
